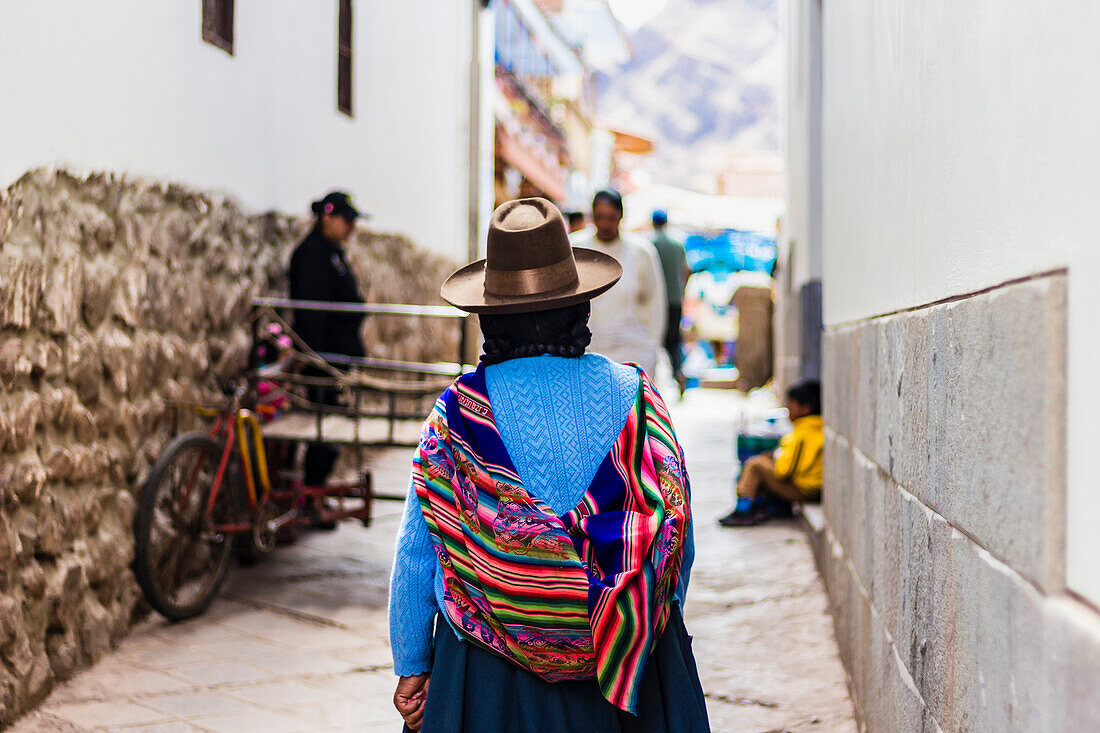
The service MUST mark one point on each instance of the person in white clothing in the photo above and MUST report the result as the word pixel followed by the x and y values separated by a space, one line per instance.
pixel 628 321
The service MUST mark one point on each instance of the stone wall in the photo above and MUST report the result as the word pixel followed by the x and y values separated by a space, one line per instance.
pixel 944 507
pixel 117 297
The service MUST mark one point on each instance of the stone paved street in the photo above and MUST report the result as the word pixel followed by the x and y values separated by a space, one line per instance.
pixel 299 642
pixel 756 607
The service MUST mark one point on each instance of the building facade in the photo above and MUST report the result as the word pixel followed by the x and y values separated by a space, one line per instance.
pixel 797 321
pixel 959 258
pixel 546 140
pixel 157 160
pixel 273 102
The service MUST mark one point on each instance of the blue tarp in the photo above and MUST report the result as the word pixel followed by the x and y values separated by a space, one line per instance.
pixel 732 250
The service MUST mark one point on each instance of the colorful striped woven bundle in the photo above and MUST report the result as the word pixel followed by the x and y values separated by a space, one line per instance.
pixel 581 595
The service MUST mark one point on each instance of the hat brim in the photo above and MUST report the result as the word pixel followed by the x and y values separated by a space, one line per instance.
pixel 596 273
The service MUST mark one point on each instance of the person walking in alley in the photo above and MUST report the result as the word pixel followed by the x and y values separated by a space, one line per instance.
pixel 794 473
pixel 319 271
pixel 548 518
pixel 628 322
pixel 675 268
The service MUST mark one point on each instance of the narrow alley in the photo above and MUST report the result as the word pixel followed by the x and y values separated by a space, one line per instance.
pixel 865 241
pixel 299 642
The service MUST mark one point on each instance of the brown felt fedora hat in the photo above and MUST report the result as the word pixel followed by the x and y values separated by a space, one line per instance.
pixel 530 265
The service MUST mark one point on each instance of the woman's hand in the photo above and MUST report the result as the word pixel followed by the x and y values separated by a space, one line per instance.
pixel 410 698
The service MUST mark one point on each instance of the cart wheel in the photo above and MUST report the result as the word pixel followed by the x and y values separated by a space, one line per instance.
pixel 179 560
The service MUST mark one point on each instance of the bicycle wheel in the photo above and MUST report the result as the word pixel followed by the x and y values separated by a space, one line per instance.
pixel 179 560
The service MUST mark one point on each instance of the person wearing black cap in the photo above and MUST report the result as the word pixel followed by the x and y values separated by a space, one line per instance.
pixel 319 270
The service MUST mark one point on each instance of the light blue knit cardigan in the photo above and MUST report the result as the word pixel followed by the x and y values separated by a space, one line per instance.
pixel 558 418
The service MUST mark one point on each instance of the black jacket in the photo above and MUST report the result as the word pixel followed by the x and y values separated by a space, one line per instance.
pixel 320 271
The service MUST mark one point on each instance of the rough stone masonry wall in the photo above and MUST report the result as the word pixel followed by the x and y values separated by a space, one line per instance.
pixel 943 549
pixel 117 297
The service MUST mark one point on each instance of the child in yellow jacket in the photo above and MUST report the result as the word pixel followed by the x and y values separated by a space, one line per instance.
pixel 794 473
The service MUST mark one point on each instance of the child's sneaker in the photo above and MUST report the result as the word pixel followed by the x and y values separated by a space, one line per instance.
pixel 745 510
pixel 746 519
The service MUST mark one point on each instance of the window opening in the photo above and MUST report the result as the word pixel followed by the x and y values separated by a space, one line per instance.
pixel 343 61
pixel 217 24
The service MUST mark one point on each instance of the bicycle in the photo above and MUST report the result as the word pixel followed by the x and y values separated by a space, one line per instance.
pixel 208 492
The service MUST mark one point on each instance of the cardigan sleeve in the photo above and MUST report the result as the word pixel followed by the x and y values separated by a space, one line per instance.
pixel 412 592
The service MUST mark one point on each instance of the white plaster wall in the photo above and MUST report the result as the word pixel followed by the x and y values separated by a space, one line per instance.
pixel 129 85
pixel 801 241
pixel 961 146
pixel 1082 484
pixel 961 151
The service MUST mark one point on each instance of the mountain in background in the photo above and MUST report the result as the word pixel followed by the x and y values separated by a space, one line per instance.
pixel 703 85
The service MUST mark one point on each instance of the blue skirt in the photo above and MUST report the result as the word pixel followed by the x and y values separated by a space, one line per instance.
pixel 474 690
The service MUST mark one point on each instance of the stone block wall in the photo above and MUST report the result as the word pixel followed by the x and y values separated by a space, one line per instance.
pixel 944 505
pixel 117 297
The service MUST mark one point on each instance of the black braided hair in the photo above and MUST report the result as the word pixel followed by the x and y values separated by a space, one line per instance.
pixel 557 332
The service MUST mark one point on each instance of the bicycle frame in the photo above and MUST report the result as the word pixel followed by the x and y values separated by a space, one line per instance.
pixel 232 426
pixel 248 418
